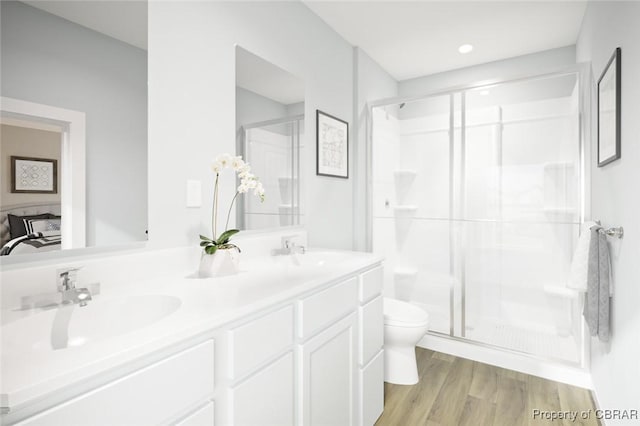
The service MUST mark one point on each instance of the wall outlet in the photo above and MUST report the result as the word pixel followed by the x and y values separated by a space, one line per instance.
pixel 194 193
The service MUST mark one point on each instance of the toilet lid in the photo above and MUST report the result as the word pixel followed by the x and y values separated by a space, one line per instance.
pixel 403 314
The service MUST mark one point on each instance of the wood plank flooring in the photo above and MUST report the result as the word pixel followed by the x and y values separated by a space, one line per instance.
pixel 456 391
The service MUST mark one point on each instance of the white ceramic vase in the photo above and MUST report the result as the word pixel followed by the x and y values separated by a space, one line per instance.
pixel 222 262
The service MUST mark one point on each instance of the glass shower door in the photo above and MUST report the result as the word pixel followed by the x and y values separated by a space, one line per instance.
pixel 476 207
pixel 521 215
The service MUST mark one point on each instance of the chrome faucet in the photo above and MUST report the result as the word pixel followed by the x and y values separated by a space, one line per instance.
pixel 289 246
pixel 67 286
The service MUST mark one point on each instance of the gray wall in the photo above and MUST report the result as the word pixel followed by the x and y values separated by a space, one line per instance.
pixel 192 92
pixel 48 60
pixel 535 63
pixel 253 108
pixel 373 83
pixel 615 202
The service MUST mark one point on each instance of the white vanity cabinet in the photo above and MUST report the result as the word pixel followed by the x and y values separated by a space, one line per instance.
pixel 312 359
pixel 371 340
pixel 328 331
pixel 261 370
pixel 328 379
pixel 165 391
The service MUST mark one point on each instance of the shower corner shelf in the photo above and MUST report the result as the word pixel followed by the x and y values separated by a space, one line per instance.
pixel 559 210
pixel 558 165
pixel 561 291
pixel 405 173
pixel 405 208
pixel 405 211
pixel 405 272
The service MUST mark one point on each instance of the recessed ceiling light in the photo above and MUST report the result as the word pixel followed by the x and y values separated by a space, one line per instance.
pixel 465 48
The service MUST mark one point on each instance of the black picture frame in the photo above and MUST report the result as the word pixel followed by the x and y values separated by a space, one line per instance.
pixel 609 141
pixel 332 146
pixel 45 172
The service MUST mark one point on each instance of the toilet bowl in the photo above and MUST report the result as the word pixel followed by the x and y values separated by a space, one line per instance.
pixel 404 325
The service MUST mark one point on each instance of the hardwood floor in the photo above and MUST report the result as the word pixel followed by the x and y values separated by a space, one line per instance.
pixel 456 391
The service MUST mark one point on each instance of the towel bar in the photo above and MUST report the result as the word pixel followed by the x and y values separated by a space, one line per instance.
pixel 614 232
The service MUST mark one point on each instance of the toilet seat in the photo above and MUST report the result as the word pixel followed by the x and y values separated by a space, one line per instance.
pixel 403 314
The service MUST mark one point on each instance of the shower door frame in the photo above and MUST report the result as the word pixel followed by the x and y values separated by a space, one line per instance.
pixel 586 94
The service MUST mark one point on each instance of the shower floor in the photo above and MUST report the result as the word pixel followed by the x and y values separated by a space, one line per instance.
pixel 529 341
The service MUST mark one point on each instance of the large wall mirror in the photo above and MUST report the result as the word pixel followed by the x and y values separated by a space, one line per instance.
pixel 270 129
pixel 73 141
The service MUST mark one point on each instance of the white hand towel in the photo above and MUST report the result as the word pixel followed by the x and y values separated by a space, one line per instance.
pixel 580 263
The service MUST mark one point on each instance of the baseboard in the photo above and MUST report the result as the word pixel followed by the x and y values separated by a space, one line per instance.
pixel 556 371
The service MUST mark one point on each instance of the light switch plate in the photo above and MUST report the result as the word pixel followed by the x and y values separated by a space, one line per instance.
pixel 194 193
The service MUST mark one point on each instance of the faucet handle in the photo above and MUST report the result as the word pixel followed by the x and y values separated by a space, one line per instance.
pixel 287 241
pixel 67 278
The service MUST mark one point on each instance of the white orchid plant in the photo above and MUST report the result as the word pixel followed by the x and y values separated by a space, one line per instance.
pixel 248 182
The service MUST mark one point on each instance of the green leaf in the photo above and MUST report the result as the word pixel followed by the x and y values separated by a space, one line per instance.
pixel 226 235
pixel 202 237
pixel 210 249
pixel 204 243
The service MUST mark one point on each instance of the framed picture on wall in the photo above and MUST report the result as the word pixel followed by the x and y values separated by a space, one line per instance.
pixel 34 175
pixel 332 146
pixel 609 111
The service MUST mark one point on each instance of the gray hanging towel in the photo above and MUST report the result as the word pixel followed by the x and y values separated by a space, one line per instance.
pixel 597 298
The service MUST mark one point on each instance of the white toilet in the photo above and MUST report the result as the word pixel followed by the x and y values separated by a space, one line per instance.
pixel 404 325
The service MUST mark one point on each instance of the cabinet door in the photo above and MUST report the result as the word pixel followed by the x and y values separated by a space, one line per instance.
pixel 204 416
pixel 266 397
pixel 329 374
pixel 372 390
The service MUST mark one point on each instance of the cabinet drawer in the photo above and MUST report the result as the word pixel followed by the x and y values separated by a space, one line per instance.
pixel 149 396
pixel 329 305
pixel 257 341
pixel 371 284
pixel 204 416
pixel 371 321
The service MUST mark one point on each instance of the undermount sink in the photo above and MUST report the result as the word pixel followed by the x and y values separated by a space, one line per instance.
pixel 71 325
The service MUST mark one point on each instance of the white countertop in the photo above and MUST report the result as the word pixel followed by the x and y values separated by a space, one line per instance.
pixel 31 368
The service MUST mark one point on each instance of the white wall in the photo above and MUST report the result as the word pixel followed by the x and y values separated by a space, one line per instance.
pixel 191 98
pixel 535 63
pixel 615 367
pixel 373 83
pixel 52 61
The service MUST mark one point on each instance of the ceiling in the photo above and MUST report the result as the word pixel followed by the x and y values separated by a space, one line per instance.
pixel 123 20
pixel 407 38
pixel 416 38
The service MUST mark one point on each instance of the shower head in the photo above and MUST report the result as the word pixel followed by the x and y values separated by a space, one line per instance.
pixel 402 105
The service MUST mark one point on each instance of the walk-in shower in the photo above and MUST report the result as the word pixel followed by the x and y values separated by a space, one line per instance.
pixel 476 201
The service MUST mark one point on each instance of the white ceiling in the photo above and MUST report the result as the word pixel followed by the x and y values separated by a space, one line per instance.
pixel 407 38
pixel 123 20
pixel 417 38
pixel 264 78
